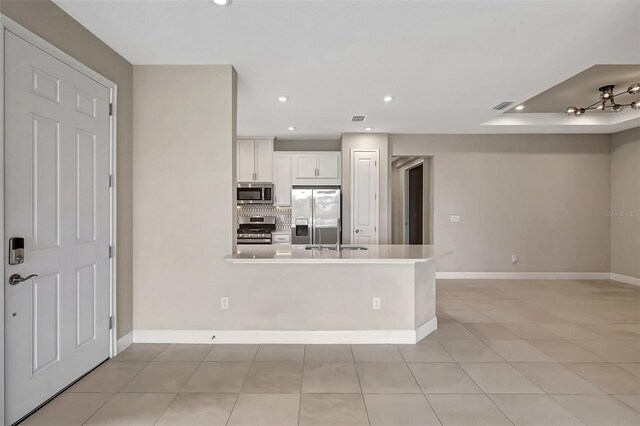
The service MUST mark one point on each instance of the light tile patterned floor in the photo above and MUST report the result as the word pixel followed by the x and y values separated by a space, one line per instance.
pixel 506 352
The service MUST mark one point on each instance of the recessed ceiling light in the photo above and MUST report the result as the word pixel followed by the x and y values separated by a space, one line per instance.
pixel 291 128
pixel 283 98
pixel 368 129
pixel 388 98
pixel 519 107
pixel 222 2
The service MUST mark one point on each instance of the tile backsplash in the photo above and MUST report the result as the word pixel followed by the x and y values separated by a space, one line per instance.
pixel 282 214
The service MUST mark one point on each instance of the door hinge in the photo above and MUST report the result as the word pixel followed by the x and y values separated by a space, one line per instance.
pixel 110 109
pixel 375 163
pixel 110 252
pixel 111 323
pixel 110 181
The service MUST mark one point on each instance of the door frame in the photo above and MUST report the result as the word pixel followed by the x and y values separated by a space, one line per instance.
pixel 7 24
pixel 352 192
pixel 406 197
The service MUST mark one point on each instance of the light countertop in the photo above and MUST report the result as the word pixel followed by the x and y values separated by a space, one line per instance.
pixel 298 254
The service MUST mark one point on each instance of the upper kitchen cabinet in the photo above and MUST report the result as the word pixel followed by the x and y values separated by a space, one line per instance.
pixel 282 178
pixel 255 160
pixel 316 168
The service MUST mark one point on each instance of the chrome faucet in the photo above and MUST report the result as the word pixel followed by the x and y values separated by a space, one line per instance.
pixel 339 231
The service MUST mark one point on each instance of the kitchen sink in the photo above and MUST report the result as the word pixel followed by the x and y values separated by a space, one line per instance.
pixel 333 248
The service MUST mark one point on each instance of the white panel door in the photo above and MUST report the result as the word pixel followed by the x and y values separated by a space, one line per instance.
pixel 57 198
pixel 328 166
pixel 246 160
pixel 304 166
pixel 282 179
pixel 264 160
pixel 364 197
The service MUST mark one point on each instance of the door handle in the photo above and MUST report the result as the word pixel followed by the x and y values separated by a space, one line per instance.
pixel 357 231
pixel 16 279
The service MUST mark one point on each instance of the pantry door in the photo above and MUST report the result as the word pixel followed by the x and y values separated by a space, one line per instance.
pixel 57 198
pixel 364 197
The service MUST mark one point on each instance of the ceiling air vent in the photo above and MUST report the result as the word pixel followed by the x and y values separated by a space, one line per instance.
pixel 502 105
pixel 358 118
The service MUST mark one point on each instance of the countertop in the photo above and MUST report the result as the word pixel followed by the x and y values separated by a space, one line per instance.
pixel 298 254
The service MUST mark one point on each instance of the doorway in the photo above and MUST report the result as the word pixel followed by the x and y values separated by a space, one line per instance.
pixel 412 200
pixel 414 211
pixel 59 203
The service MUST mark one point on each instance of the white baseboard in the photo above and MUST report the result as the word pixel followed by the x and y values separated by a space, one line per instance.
pixel 524 275
pixel 124 342
pixel 426 329
pixel 286 336
pixel 625 279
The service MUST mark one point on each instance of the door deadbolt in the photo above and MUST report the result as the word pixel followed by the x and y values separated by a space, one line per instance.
pixel 16 251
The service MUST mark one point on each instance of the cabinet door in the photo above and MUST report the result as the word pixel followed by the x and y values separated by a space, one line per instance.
pixel 304 166
pixel 264 160
pixel 246 160
pixel 328 166
pixel 282 179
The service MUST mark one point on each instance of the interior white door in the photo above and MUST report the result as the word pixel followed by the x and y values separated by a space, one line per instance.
pixel 328 166
pixel 246 160
pixel 364 197
pixel 57 150
pixel 282 179
pixel 264 160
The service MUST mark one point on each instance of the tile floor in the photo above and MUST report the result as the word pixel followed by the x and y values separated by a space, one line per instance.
pixel 546 353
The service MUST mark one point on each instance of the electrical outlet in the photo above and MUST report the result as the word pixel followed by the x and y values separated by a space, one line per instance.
pixel 454 219
pixel 224 303
pixel 376 303
pixel 514 259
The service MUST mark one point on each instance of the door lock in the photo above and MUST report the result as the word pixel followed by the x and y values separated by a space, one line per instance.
pixel 16 251
pixel 16 279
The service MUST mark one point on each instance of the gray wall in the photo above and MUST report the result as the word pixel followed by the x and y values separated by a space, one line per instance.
pixel 625 203
pixel 48 21
pixel 541 197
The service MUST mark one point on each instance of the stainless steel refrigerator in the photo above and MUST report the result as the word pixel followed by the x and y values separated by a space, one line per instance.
pixel 314 214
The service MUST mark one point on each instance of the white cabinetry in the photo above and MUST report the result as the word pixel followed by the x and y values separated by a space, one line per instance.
pixel 282 178
pixel 255 160
pixel 316 168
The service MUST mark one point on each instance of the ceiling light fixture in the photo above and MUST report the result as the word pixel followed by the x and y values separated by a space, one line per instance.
pixel 607 101
pixel 519 107
pixel 283 98
pixel 368 129
pixel 291 128
pixel 387 98
pixel 222 2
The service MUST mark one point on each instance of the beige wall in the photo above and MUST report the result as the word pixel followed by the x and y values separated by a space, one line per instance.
pixel 307 145
pixel 48 21
pixel 379 141
pixel 541 197
pixel 625 203
pixel 183 184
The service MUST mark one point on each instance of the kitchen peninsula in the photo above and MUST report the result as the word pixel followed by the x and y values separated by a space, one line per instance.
pixel 383 294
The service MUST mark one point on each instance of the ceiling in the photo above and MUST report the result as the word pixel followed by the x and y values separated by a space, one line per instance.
pixel 445 63
pixel 581 90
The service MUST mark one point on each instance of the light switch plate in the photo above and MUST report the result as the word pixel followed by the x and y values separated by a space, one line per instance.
pixel 454 219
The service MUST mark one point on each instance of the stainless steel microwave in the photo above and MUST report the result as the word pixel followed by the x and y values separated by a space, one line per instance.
pixel 255 193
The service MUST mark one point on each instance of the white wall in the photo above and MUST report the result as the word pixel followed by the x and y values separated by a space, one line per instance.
pixel 184 128
pixel 541 197
pixel 625 203
pixel 379 141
